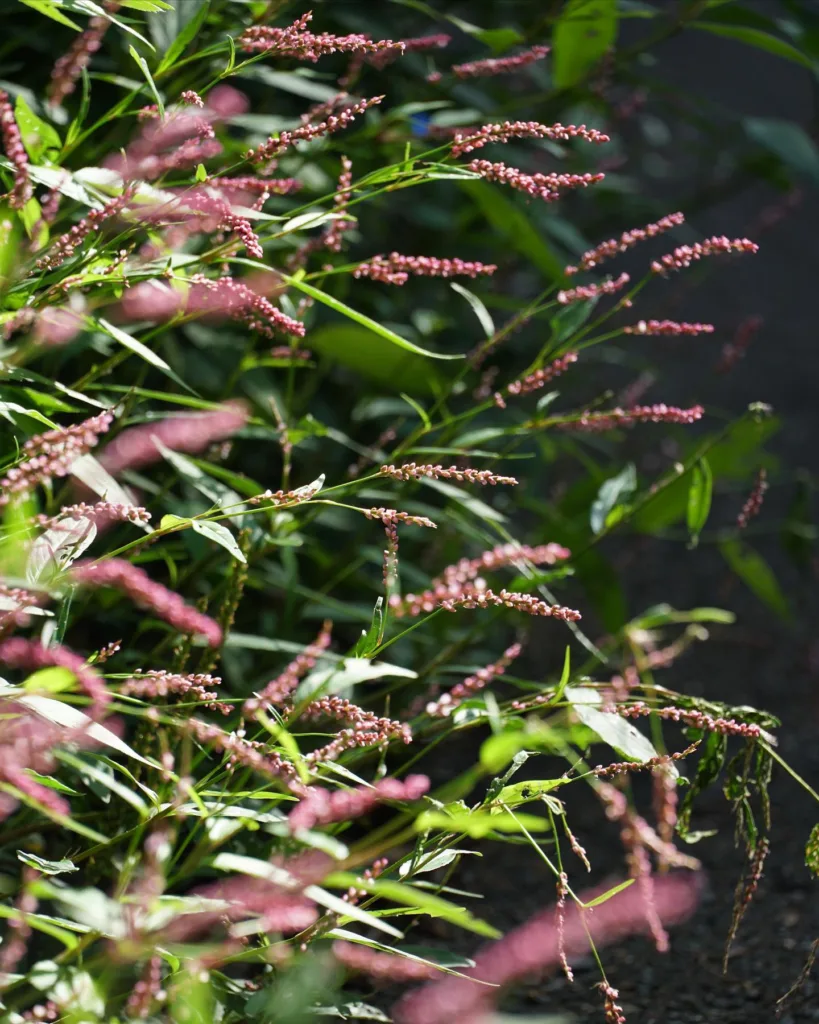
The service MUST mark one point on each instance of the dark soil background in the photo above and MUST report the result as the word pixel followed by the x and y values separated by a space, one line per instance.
pixel 758 661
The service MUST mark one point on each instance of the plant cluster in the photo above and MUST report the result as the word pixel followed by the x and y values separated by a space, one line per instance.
pixel 260 555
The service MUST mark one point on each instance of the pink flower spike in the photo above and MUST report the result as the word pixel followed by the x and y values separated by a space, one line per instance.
pixel 52 454
pixel 500 65
pixel 278 690
pixel 473 596
pixel 160 683
pixel 284 140
pixel 535 947
pixel 752 506
pixel 134 448
pixel 69 67
pixel 542 186
pixel 503 132
pixel 137 584
pixel 29 654
pixel 16 152
pixel 411 471
pixel 668 327
pixel 323 807
pixel 539 378
pixel 626 241
pixel 685 255
pixel 446 704
pixel 592 291
pixel 395 268
pixel 298 42
pixel 592 422
pixel 57 325
pixel 418 44
pixel 381 966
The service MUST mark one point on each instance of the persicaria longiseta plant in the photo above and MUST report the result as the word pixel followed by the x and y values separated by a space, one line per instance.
pixel 265 543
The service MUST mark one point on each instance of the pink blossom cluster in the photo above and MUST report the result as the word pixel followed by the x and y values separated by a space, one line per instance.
pixel 278 690
pixel 541 186
pixel 192 98
pixel 334 123
pixel 500 65
pixel 334 231
pixel 15 600
pixel 668 327
pixel 57 325
pixel 381 966
pixel 473 684
pixel 753 505
pixel 280 910
pixel 613 418
pixel 322 807
pixel 418 44
pixel 51 454
pixel 28 742
pixel 390 516
pixel 396 269
pixel 685 255
pixel 46 1012
pixel 68 68
pixel 364 728
pixel 206 210
pixel 660 761
pixel 67 244
pixel 626 241
pixel 592 291
pixel 138 585
pixel 285 352
pixel 412 471
pixel 134 448
pixel 538 379
pixel 108 511
pixel 472 596
pixel 223 296
pixel 504 554
pixel 183 138
pixel 696 719
pixel 160 683
pixel 298 42
pixel 296 496
pixel 249 188
pixel 30 654
pixel 104 653
pixel 240 751
pixel 612 1010
pixel 506 130
pixel 16 152
pixel 16 939
pixel 534 947
pixel 146 991
pixel 735 350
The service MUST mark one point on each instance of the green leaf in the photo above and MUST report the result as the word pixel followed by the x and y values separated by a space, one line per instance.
pixel 370 638
pixel 699 499
pixel 755 37
pixel 583 33
pixel 298 83
pixel 811 851
pixel 510 220
pixel 348 672
pixel 364 352
pixel 526 792
pixel 221 535
pixel 758 576
pixel 360 318
pixel 50 9
pixel 41 140
pixel 568 320
pixel 613 491
pixel 146 71
pixel 619 733
pixel 787 140
pixel 608 894
pixel 50 680
pixel 141 350
pixel 409 896
pixel 46 867
pixel 481 312
pixel 478 824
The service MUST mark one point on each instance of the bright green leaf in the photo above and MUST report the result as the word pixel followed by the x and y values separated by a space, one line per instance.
pixel 583 34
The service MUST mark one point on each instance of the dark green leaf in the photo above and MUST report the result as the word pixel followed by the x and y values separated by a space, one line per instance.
pixel 699 499
pixel 584 32
pixel 755 572
pixel 615 490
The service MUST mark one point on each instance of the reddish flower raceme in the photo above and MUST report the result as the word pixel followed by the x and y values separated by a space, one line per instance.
pixel 668 327
pixel 626 241
pixel 69 67
pixel 685 255
pixel 279 690
pixel 16 152
pixel 323 807
pixel 411 471
pixel 138 585
pixel 541 186
pixel 446 704
pixel 333 123
pixel 396 269
pixel 466 142
pixel 500 65
pixel 298 42
pixel 613 418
